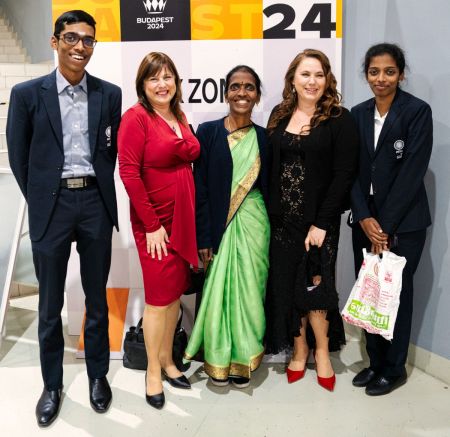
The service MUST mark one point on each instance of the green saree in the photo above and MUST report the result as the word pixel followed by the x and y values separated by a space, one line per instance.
pixel 230 323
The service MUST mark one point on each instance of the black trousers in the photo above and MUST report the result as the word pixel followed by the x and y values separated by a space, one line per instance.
pixel 79 215
pixel 389 358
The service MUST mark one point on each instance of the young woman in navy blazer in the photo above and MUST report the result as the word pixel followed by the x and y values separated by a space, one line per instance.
pixel 389 202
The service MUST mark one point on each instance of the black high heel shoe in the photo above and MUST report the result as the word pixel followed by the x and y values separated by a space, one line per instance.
pixel 156 401
pixel 179 382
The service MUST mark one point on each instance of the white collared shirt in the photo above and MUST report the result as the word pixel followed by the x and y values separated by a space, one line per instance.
pixel 378 122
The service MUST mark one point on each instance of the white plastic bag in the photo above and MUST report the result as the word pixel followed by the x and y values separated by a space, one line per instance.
pixel 375 297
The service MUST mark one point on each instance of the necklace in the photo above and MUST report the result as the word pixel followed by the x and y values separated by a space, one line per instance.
pixel 237 128
pixel 171 122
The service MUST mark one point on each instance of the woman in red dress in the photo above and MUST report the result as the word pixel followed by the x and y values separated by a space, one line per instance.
pixel 156 148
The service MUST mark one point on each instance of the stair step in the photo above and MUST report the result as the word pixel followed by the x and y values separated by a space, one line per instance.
pixel 4 27
pixel 25 69
pixel 11 50
pixel 4 95
pixel 10 81
pixel 7 69
pixel 6 34
pixel 3 145
pixel 36 70
pixel 7 42
pixel 12 58
pixel 3 110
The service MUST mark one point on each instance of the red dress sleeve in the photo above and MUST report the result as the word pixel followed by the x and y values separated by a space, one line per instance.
pixel 131 146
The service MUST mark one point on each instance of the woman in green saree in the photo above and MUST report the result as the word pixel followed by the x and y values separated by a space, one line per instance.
pixel 232 236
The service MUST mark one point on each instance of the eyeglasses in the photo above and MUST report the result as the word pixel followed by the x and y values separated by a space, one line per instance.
pixel 249 87
pixel 72 39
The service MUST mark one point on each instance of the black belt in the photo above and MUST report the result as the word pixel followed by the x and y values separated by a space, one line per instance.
pixel 77 183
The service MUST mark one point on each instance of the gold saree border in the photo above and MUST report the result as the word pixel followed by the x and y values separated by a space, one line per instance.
pixel 235 137
pixel 234 369
pixel 244 186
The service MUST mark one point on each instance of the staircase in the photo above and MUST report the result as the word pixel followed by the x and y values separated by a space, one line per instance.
pixel 11 49
pixel 14 68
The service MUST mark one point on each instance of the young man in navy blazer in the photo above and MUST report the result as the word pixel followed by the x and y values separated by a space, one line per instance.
pixel 61 134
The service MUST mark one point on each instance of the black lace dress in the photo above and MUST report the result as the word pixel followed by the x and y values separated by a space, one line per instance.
pixel 290 295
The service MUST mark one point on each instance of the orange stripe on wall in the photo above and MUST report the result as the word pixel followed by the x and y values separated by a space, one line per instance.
pixel 117 299
pixel 339 18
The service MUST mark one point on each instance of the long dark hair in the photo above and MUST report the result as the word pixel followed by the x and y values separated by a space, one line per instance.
pixel 328 105
pixel 150 66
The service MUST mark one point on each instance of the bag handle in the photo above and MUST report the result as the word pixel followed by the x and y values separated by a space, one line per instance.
pixel 180 318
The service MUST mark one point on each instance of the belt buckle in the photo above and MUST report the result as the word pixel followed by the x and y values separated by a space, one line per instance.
pixel 75 183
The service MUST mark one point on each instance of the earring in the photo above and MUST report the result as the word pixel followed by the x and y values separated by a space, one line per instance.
pixel 294 91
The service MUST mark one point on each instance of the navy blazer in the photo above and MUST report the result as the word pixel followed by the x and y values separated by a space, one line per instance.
pixel 35 144
pixel 213 173
pixel 397 166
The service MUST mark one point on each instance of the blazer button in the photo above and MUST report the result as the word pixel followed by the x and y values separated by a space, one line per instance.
pixel 374 167
pixel 54 193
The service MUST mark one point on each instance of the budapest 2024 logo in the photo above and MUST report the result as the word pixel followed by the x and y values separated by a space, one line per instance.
pixel 155 18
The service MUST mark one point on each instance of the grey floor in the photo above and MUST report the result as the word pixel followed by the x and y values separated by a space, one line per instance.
pixel 269 407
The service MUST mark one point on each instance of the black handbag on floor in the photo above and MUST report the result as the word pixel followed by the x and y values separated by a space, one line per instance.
pixel 135 355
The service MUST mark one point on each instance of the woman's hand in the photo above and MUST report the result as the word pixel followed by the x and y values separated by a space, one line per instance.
pixel 206 255
pixel 156 241
pixel 378 248
pixel 315 237
pixel 373 231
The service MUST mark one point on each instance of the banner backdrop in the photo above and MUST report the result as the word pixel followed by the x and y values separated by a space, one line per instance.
pixel 205 39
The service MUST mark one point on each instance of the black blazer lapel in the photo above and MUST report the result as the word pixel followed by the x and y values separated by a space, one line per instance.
pixel 369 127
pixel 95 96
pixel 49 93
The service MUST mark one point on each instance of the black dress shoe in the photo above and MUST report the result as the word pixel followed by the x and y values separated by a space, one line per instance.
pixel 239 382
pixel 156 401
pixel 48 406
pixel 364 377
pixel 382 385
pixel 100 394
pixel 179 382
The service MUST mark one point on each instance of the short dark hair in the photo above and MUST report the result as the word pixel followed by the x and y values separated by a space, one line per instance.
pixel 72 17
pixel 397 54
pixel 247 69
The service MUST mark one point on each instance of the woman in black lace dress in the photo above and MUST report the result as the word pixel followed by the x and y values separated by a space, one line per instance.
pixel 314 146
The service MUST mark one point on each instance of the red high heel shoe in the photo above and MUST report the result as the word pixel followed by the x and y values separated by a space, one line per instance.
pixel 326 383
pixel 294 375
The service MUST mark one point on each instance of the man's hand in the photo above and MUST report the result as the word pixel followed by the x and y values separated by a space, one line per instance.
pixel 205 255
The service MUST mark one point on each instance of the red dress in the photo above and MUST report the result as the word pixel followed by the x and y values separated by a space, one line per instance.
pixel 155 167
